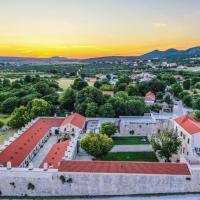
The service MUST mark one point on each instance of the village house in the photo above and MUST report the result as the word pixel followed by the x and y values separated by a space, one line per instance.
pixel 188 130
pixel 150 98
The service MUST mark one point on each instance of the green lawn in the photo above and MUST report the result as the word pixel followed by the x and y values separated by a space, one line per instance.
pixel 130 140
pixel 131 156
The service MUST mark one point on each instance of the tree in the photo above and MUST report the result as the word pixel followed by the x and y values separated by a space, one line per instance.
pixel 132 90
pixel 91 110
pixel 39 107
pixel 42 88
pixel 1 124
pixel 196 104
pixel 168 99
pixel 19 117
pixel 166 144
pixel 197 115
pixel 108 129
pixel 68 99
pixel 135 107
pixel 106 110
pixel 187 84
pixel 177 89
pixel 119 105
pixel 187 100
pixel 9 104
pixel 97 145
pixel 79 84
pixel 197 85
pixel 157 85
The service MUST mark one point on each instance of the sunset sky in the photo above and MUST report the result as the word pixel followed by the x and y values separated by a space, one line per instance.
pixel 90 28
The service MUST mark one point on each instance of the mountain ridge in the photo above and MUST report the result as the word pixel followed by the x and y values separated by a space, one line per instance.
pixel 153 54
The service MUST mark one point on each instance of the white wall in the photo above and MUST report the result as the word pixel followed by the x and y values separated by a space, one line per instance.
pixel 50 184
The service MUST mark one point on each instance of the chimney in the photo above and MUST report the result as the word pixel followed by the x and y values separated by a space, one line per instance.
pixel 30 167
pixel 9 165
pixel 45 166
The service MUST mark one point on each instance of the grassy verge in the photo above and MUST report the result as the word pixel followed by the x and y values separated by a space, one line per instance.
pixel 130 140
pixel 4 135
pixel 131 156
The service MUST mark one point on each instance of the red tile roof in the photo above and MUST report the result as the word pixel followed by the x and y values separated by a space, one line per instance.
pixel 55 155
pixel 18 150
pixel 75 119
pixel 124 167
pixel 108 93
pixel 150 96
pixel 189 124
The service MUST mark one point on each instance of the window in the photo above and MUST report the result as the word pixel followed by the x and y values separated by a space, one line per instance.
pixel 158 130
pixel 140 126
pixel 181 133
pixel 132 132
pixel 183 150
pixel 188 141
pixel 183 136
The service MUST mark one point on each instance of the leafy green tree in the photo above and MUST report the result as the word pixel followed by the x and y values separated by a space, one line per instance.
pixel 106 110
pixel 98 84
pixel 108 129
pixel 197 115
pixel 106 87
pixel 6 82
pixel 88 95
pixel 177 89
pixel 135 107
pixel 38 108
pixel 97 145
pixel 187 100
pixel 9 104
pixel 166 143
pixel 19 117
pixel 119 106
pixel 197 85
pixel 42 88
pixel 187 84
pixel 132 90
pixel 68 99
pixel 121 94
pixel 1 124
pixel 157 85
pixel 183 94
pixel 196 104
pixel 91 110
pixel 79 84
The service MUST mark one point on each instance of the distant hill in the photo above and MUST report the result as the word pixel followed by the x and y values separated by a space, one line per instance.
pixel 150 55
pixel 171 52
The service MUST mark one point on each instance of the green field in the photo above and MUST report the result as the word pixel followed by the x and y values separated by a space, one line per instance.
pixel 64 83
pixel 131 156
pixel 130 140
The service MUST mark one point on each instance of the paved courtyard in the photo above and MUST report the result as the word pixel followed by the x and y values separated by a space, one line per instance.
pixel 37 160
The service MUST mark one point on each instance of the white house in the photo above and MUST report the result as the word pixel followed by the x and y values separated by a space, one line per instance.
pixel 188 129
pixel 73 124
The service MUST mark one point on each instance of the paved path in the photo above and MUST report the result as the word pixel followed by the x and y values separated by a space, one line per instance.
pixel 37 160
pixel 82 155
pixel 132 148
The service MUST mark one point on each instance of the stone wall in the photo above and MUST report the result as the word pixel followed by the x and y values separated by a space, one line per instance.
pixel 21 182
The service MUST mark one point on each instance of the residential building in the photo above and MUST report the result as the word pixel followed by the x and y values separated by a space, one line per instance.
pixel 188 130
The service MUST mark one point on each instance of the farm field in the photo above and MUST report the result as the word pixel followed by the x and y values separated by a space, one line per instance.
pixel 64 83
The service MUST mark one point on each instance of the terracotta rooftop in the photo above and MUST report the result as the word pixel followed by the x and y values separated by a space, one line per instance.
pixel 124 167
pixel 18 150
pixel 75 119
pixel 55 155
pixel 150 96
pixel 108 93
pixel 189 124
